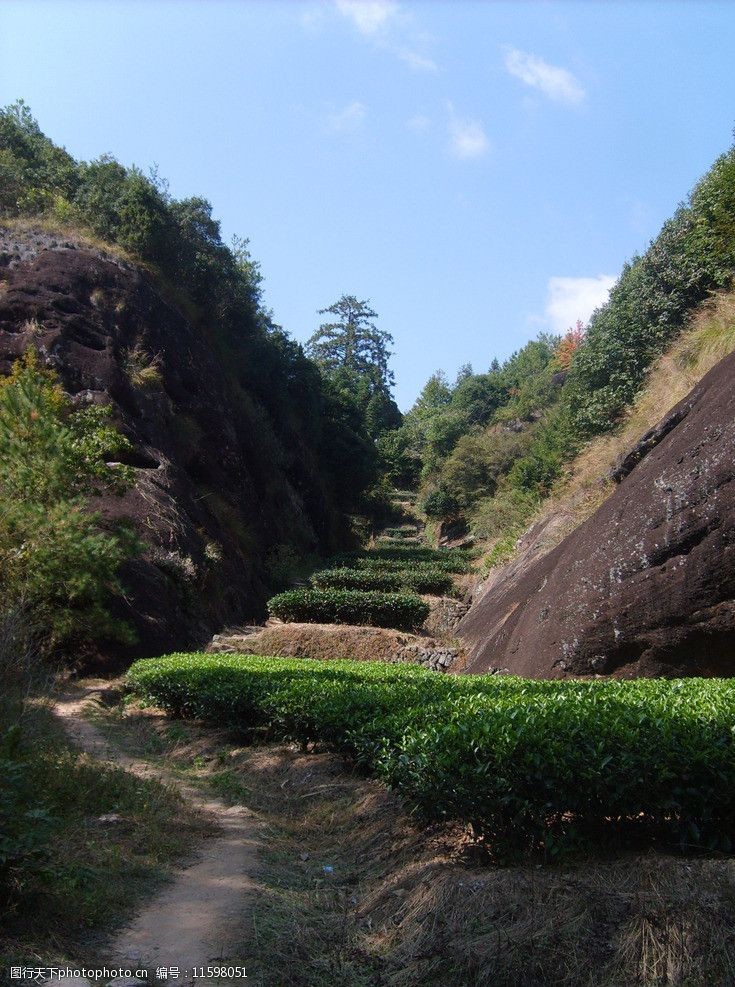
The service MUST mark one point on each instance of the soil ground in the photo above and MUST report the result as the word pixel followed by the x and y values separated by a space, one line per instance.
pixel 198 919
pixel 339 886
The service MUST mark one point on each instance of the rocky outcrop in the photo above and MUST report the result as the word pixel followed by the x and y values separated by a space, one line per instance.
pixel 645 586
pixel 218 486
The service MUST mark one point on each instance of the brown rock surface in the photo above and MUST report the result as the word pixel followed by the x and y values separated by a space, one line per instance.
pixel 645 586
pixel 217 486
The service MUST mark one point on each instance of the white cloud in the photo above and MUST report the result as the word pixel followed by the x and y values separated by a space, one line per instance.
pixel 569 299
pixel 467 137
pixel 419 63
pixel 556 83
pixel 370 17
pixel 347 119
pixel 419 122
pixel 388 26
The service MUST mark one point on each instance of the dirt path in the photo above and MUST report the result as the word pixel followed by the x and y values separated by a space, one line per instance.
pixel 197 920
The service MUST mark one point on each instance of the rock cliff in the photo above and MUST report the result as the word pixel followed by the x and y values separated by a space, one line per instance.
pixel 220 486
pixel 645 586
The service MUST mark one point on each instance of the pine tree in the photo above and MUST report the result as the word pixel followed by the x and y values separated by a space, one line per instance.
pixel 353 342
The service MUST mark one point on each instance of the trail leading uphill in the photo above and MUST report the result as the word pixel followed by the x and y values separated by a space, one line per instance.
pixel 199 919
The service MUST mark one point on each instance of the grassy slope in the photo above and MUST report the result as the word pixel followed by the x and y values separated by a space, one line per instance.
pixel 95 873
pixel 585 486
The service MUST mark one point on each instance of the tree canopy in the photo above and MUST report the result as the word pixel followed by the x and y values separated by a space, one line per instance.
pixel 352 341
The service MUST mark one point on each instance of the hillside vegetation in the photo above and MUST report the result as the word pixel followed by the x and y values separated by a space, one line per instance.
pixel 238 455
pixel 491 447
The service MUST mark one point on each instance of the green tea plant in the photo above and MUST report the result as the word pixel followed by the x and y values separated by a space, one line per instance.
pixel 531 766
pixel 387 580
pixel 344 606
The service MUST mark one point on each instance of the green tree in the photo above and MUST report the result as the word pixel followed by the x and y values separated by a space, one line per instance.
pixel 353 341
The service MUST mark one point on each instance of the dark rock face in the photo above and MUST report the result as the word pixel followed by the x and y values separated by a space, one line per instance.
pixel 646 586
pixel 215 490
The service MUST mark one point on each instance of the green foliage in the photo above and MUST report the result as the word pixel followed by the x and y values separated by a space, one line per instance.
pixel 345 606
pixel 693 254
pixel 466 439
pixel 478 462
pixel 400 555
pixel 502 551
pixel 530 765
pixel 417 579
pixel 440 504
pixel 505 514
pixel 317 431
pixel 25 824
pixel 353 353
pixel 54 559
pixel 353 342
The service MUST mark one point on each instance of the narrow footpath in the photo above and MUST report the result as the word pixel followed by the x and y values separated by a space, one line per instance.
pixel 198 919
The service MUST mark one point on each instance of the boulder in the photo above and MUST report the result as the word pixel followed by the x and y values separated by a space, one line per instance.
pixel 646 585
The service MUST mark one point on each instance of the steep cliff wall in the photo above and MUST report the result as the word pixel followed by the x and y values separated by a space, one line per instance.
pixel 646 586
pixel 219 485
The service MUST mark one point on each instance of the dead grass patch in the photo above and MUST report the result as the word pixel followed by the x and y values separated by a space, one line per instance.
pixel 354 892
pixel 328 642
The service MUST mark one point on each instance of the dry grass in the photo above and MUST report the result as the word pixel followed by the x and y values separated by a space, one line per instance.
pixel 405 905
pixel 328 642
pixel 142 369
pixel 586 485
pixel 67 229
pixel 32 327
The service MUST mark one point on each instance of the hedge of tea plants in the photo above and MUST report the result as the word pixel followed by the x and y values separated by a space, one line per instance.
pixel 403 611
pixel 420 580
pixel 530 765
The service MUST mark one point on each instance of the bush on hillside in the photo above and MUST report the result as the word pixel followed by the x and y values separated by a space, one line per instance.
pixel 344 606
pixel 418 580
pixel 530 765
pixel 56 563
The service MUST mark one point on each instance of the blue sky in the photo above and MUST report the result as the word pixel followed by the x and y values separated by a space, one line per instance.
pixel 478 171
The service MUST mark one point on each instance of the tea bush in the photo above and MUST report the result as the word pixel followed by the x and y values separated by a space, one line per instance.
pixel 386 559
pixel 345 606
pixel 388 580
pixel 530 765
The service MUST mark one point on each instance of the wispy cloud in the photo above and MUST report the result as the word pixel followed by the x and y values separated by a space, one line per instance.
pixel 346 120
pixel 569 299
pixel 419 63
pixel 419 122
pixel 386 24
pixel 370 17
pixel 467 137
pixel 557 83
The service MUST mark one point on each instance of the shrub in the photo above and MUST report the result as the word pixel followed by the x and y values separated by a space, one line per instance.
pixel 530 765
pixel 381 559
pixel 440 504
pixel 344 606
pixel 55 561
pixel 387 580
